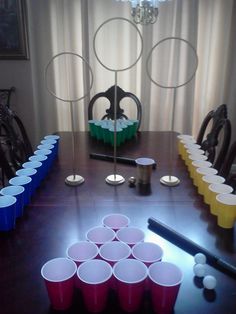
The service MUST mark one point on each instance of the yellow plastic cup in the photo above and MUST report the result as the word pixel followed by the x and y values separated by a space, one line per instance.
pixel 192 151
pixel 226 210
pixel 196 158
pixel 181 143
pixel 198 164
pixel 183 137
pixel 200 172
pixel 187 146
pixel 215 189
pixel 207 181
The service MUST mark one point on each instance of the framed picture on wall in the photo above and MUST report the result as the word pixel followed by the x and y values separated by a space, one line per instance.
pixel 13 30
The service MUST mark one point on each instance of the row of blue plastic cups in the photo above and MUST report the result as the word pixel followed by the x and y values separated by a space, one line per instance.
pixel 22 187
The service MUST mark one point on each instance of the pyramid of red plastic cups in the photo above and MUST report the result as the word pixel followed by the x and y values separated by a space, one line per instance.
pixel 113 257
pixel 7 212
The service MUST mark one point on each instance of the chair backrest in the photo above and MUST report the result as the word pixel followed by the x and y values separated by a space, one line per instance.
pixel 215 149
pixel 215 116
pixel 5 96
pixel 14 142
pixel 225 170
pixel 110 95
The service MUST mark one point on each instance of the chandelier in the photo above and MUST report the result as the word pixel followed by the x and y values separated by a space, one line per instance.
pixel 144 11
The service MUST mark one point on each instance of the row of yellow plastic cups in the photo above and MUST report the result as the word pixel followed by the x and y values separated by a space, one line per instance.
pixel 184 139
pixel 210 185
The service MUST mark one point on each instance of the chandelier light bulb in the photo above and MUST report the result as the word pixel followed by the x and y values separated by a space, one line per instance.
pixel 144 12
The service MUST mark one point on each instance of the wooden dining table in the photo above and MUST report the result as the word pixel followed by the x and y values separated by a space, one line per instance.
pixel 59 215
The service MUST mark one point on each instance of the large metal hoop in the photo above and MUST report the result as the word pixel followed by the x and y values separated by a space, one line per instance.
pixel 46 80
pixel 188 79
pixel 94 45
pixel 74 179
pixel 115 179
pixel 171 180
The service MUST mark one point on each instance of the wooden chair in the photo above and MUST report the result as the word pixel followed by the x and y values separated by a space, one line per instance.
pixel 15 147
pixel 215 116
pixel 5 96
pixel 226 169
pixel 215 148
pixel 109 94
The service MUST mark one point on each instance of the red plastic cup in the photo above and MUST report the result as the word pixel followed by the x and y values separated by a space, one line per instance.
pixel 148 253
pixel 100 235
pixel 113 252
pixel 80 252
pixel 59 274
pixel 165 279
pixel 131 275
pixel 130 235
pixel 116 221
pixel 94 276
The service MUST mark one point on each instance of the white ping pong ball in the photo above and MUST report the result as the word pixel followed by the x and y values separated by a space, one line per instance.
pixel 200 258
pixel 199 270
pixel 209 282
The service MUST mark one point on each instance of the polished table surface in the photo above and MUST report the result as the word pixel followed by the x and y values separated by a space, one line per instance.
pixel 60 215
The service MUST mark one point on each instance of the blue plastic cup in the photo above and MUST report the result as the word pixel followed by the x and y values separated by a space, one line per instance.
pixel 7 212
pixel 48 141
pixel 45 146
pixel 52 142
pixel 35 165
pixel 48 146
pixel 46 152
pixel 32 173
pixel 45 164
pixel 18 193
pixel 26 182
pixel 53 137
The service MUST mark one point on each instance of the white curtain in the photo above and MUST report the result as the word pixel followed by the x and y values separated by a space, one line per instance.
pixel 69 26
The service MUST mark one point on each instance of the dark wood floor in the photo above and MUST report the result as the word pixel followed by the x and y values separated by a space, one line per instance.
pixel 60 215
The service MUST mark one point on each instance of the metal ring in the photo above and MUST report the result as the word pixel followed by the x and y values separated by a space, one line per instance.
pixel 87 64
pixel 174 86
pixel 94 46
